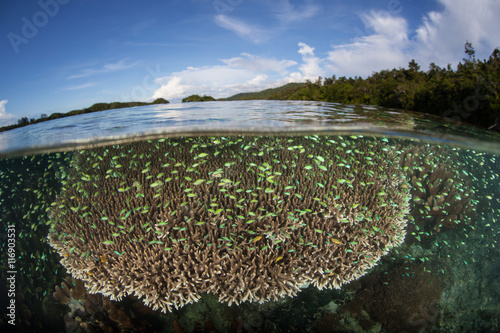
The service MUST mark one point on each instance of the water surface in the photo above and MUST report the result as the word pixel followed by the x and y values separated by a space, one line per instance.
pixel 237 117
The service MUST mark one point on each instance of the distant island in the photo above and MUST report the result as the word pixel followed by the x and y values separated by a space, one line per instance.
pixel 197 98
pixel 94 108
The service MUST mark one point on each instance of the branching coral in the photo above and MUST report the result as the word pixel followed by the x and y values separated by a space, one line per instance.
pixel 249 219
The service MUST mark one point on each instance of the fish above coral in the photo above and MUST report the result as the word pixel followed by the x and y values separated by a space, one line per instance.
pixel 247 218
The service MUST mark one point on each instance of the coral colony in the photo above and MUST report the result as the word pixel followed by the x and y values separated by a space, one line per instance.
pixel 246 218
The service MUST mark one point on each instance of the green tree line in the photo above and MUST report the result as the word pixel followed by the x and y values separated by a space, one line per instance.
pixel 198 98
pixel 468 93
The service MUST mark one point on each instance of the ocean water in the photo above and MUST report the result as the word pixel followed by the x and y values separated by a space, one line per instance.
pixel 251 216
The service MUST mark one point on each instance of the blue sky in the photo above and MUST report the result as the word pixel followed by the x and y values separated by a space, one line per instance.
pixel 61 55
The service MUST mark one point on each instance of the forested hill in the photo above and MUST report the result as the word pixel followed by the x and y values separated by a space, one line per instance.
pixel 272 93
pixel 469 93
pixel 94 108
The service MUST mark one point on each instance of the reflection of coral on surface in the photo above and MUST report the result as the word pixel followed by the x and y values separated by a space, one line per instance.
pixel 88 311
pixel 441 190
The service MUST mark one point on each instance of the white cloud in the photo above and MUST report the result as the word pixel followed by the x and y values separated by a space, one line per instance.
pixel 442 35
pixel 285 12
pixel 106 68
pixel 217 81
pixel 305 50
pixel 440 38
pixel 258 80
pixel 242 29
pixel 2 106
pixel 257 64
pixel 239 74
pixel 386 43
pixel 383 49
pixel 385 24
pixel 172 87
pixel 5 118
pixel 310 68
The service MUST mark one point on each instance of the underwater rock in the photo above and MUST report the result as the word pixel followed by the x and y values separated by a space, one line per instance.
pixel 88 313
pixel 404 299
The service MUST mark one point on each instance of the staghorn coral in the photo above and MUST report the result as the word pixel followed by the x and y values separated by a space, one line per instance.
pixel 249 219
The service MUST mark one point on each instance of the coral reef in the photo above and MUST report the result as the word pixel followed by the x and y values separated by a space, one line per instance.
pixel 248 219
pixel 442 196
pixel 91 312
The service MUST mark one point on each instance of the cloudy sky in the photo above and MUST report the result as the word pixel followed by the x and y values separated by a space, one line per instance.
pixel 61 55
